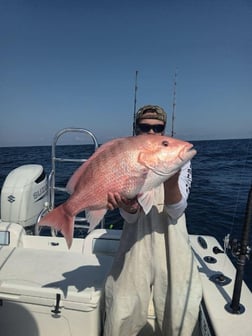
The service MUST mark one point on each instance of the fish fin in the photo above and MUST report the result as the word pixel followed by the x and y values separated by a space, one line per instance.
pixel 94 217
pixel 61 221
pixel 146 200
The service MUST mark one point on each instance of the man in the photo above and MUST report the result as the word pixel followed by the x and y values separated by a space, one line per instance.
pixel 154 256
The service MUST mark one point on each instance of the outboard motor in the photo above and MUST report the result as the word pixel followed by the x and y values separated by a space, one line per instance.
pixel 24 195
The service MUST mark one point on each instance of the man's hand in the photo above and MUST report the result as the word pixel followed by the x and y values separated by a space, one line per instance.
pixel 115 200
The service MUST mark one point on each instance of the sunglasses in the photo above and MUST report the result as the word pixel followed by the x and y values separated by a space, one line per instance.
pixel 145 128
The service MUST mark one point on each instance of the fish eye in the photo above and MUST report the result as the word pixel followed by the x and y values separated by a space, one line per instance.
pixel 165 143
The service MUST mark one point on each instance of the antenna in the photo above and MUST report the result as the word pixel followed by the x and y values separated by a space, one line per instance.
pixel 174 103
pixel 135 100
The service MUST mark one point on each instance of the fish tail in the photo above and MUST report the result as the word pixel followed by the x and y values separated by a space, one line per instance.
pixel 60 220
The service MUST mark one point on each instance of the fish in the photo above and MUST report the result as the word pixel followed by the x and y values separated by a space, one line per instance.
pixel 131 166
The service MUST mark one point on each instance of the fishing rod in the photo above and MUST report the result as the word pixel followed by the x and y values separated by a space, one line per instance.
pixel 174 104
pixel 242 251
pixel 135 100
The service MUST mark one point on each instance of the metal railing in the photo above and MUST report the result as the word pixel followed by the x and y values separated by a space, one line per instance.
pixel 52 187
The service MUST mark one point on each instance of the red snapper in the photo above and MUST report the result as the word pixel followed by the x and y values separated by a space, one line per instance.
pixel 130 166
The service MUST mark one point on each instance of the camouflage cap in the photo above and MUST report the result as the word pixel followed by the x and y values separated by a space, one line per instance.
pixel 151 112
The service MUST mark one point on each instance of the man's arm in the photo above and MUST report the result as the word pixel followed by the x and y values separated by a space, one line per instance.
pixel 172 192
pixel 176 191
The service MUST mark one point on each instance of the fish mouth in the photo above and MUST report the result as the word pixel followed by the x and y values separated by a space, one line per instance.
pixel 187 153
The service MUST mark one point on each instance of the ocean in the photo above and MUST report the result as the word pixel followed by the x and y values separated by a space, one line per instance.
pixel 222 177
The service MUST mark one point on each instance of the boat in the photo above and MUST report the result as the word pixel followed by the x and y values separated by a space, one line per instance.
pixel 48 289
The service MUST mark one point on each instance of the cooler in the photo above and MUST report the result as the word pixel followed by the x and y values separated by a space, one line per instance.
pixel 50 293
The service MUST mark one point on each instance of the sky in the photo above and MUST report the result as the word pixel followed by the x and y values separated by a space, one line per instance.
pixel 70 63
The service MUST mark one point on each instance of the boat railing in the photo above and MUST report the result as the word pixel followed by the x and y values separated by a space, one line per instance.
pixel 52 186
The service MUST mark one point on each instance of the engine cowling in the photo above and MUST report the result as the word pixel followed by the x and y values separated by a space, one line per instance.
pixel 24 194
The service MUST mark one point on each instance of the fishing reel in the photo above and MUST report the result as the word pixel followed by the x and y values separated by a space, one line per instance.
pixel 241 251
pixel 236 247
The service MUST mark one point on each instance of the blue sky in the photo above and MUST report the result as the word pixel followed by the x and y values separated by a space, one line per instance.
pixel 72 63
